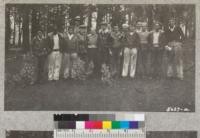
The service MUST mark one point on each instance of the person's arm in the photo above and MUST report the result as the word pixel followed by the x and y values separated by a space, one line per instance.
pixel 48 44
pixel 98 42
pixel 138 41
pixel 162 40
pixel 150 39
pixel 182 36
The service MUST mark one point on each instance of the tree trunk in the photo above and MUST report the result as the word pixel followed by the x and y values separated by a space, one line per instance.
pixel 89 20
pixel 19 40
pixel 99 16
pixel 8 29
pixel 14 30
pixel 25 28
pixel 149 16
pixel 35 23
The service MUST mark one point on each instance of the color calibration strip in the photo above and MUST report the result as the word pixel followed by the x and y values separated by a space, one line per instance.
pixel 100 124
pixel 99 121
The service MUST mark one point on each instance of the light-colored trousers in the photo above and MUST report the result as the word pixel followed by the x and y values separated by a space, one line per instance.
pixel 54 60
pixel 175 60
pixel 68 60
pixel 130 58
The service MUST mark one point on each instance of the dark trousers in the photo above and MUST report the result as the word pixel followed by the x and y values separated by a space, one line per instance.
pixel 156 61
pixel 175 60
pixel 104 56
pixel 41 67
pixel 115 61
pixel 143 62
pixel 93 57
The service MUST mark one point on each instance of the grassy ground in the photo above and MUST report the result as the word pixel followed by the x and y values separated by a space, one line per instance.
pixel 91 95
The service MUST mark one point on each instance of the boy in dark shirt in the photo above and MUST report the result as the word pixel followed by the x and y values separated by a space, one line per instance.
pixel 115 51
pixel 104 43
pixel 174 37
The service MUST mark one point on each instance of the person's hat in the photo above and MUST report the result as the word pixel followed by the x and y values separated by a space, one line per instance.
pixel 77 18
pixel 172 19
pixel 116 26
pixel 103 23
pixel 157 24
pixel 125 26
pixel 83 26
pixel 144 24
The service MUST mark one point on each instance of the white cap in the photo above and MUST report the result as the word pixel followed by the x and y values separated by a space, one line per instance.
pixel 125 25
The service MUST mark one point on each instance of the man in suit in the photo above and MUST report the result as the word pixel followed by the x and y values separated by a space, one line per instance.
pixel 116 49
pixel 55 43
pixel 104 43
pixel 157 42
pixel 40 51
pixel 144 52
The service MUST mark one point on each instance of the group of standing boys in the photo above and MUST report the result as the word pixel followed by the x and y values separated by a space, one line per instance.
pixel 127 53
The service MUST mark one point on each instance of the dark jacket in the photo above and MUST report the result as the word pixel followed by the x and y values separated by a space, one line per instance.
pixel 175 35
pixel 39 47
pixel 130 41
pixel 116 39
pixel 161 39
pixel 82 43
pixel 104 40
pixel 50 44
pixel 72 45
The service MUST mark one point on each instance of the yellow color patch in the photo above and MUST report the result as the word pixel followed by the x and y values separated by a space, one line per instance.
pixel 107 125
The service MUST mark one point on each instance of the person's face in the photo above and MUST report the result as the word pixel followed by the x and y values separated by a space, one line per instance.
pixel 125 29
pixel 55 29
pixel 71 31
pixel 77 23
pixel 40 34
pixel 92 32
pixel 171 22
pixel 83 31
pixel 103 27
pixel 132 29
pixel 116 29
pixel 156 27
pixel 144 28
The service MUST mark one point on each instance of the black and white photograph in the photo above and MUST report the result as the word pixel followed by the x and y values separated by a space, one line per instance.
pixel 100 57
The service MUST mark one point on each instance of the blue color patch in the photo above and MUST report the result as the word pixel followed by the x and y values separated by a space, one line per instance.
pixel 124 124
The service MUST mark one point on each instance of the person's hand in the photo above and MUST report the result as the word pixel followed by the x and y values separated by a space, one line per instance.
pixel 110 52
pixel 168 48
pixel 120 53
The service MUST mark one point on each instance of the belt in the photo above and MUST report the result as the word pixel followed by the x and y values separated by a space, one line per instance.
pixel 56 50
pixel 156 45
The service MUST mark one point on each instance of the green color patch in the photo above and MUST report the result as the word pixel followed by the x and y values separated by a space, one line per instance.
pixel 115 125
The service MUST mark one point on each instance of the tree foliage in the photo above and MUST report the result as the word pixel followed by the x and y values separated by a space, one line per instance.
pixel 24 20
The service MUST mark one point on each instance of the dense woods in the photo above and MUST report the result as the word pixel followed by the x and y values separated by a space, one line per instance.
pixel 24 20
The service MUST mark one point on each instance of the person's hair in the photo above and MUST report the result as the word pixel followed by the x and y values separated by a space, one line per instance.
pixel 71 27
pixel 39 31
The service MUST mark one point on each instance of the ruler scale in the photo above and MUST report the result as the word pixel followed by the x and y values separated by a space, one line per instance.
pixel 73 133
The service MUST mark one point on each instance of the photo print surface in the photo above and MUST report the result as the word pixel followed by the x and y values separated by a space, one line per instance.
pixel 100 57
